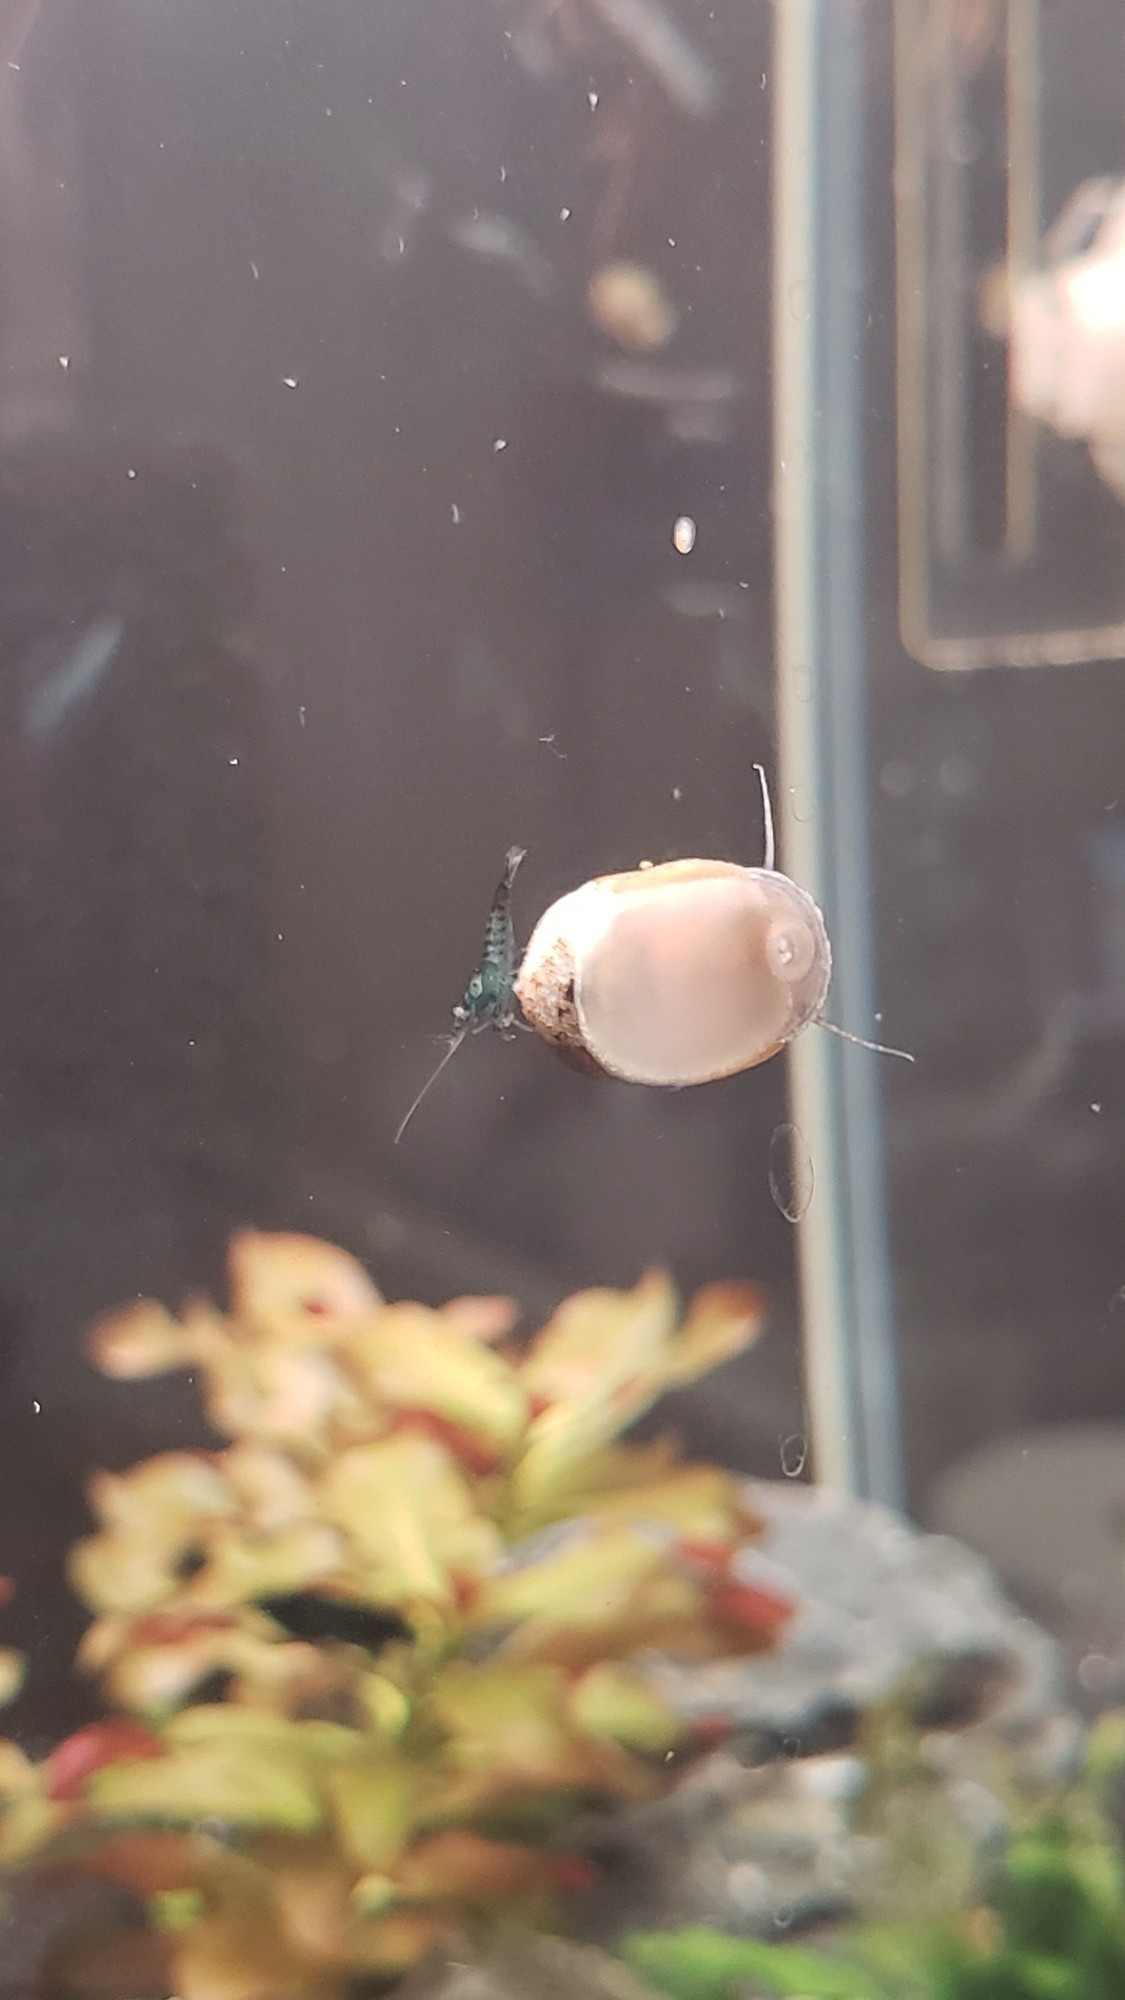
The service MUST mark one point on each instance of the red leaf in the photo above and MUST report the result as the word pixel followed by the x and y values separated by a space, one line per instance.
pixel 572 1873
pixel 712 1557
pixel 77 1757
pixel 708 1731
pixel 470 1452
pixel 172 1628
pixel 466 1590
pixel 756 1610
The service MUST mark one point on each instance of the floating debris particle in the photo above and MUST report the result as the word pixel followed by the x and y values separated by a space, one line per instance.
pixel 683 535
pixel 290 381
pixel 791 1175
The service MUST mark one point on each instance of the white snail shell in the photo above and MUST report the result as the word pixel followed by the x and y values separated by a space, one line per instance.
pixel 676 974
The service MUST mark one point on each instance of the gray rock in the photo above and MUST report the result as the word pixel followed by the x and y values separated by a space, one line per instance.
pixel 812 1811
pixel 879 1604
pixel 531 1968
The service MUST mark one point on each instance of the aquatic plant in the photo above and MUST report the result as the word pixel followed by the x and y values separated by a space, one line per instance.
pixel 12 1664
pixel 1046 1923
pixel 368 1657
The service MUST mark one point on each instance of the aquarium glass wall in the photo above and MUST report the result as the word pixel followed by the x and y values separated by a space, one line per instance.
pixel 435 428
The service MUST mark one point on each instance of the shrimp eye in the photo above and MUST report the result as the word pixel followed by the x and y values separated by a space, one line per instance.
pixel 790 949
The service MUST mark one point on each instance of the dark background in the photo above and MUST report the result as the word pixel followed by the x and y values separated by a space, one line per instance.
pixel 362 651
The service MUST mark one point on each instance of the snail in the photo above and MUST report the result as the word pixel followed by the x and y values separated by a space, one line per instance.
pixel 669 975
pixel 680 973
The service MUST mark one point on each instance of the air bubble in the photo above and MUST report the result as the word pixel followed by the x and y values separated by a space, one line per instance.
pixel 791 1176
pixel 794 1454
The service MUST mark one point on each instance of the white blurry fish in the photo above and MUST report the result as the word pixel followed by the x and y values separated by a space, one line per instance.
pixel 628 302
pixel 1065 325
pixel 80 673
pixel 657 38
pixel 544 33
pixel 501 241
pixel 698 403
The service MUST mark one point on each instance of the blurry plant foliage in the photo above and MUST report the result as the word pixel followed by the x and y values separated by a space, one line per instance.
pixel 365 1661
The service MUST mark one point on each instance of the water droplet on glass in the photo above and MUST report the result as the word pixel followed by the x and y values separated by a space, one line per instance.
pixel 783 1916
pixel 794 1454
pixel 1095 1672
pixel 955 776
pixel 792 1179
pixel 897 778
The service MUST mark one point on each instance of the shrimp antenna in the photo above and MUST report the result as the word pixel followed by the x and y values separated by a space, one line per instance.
pixel 767 817
pixel 861 1042
pixel 455 1042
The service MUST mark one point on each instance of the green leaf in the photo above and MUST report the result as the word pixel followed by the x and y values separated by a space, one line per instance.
pixel 240 1784
pixel 702 1964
